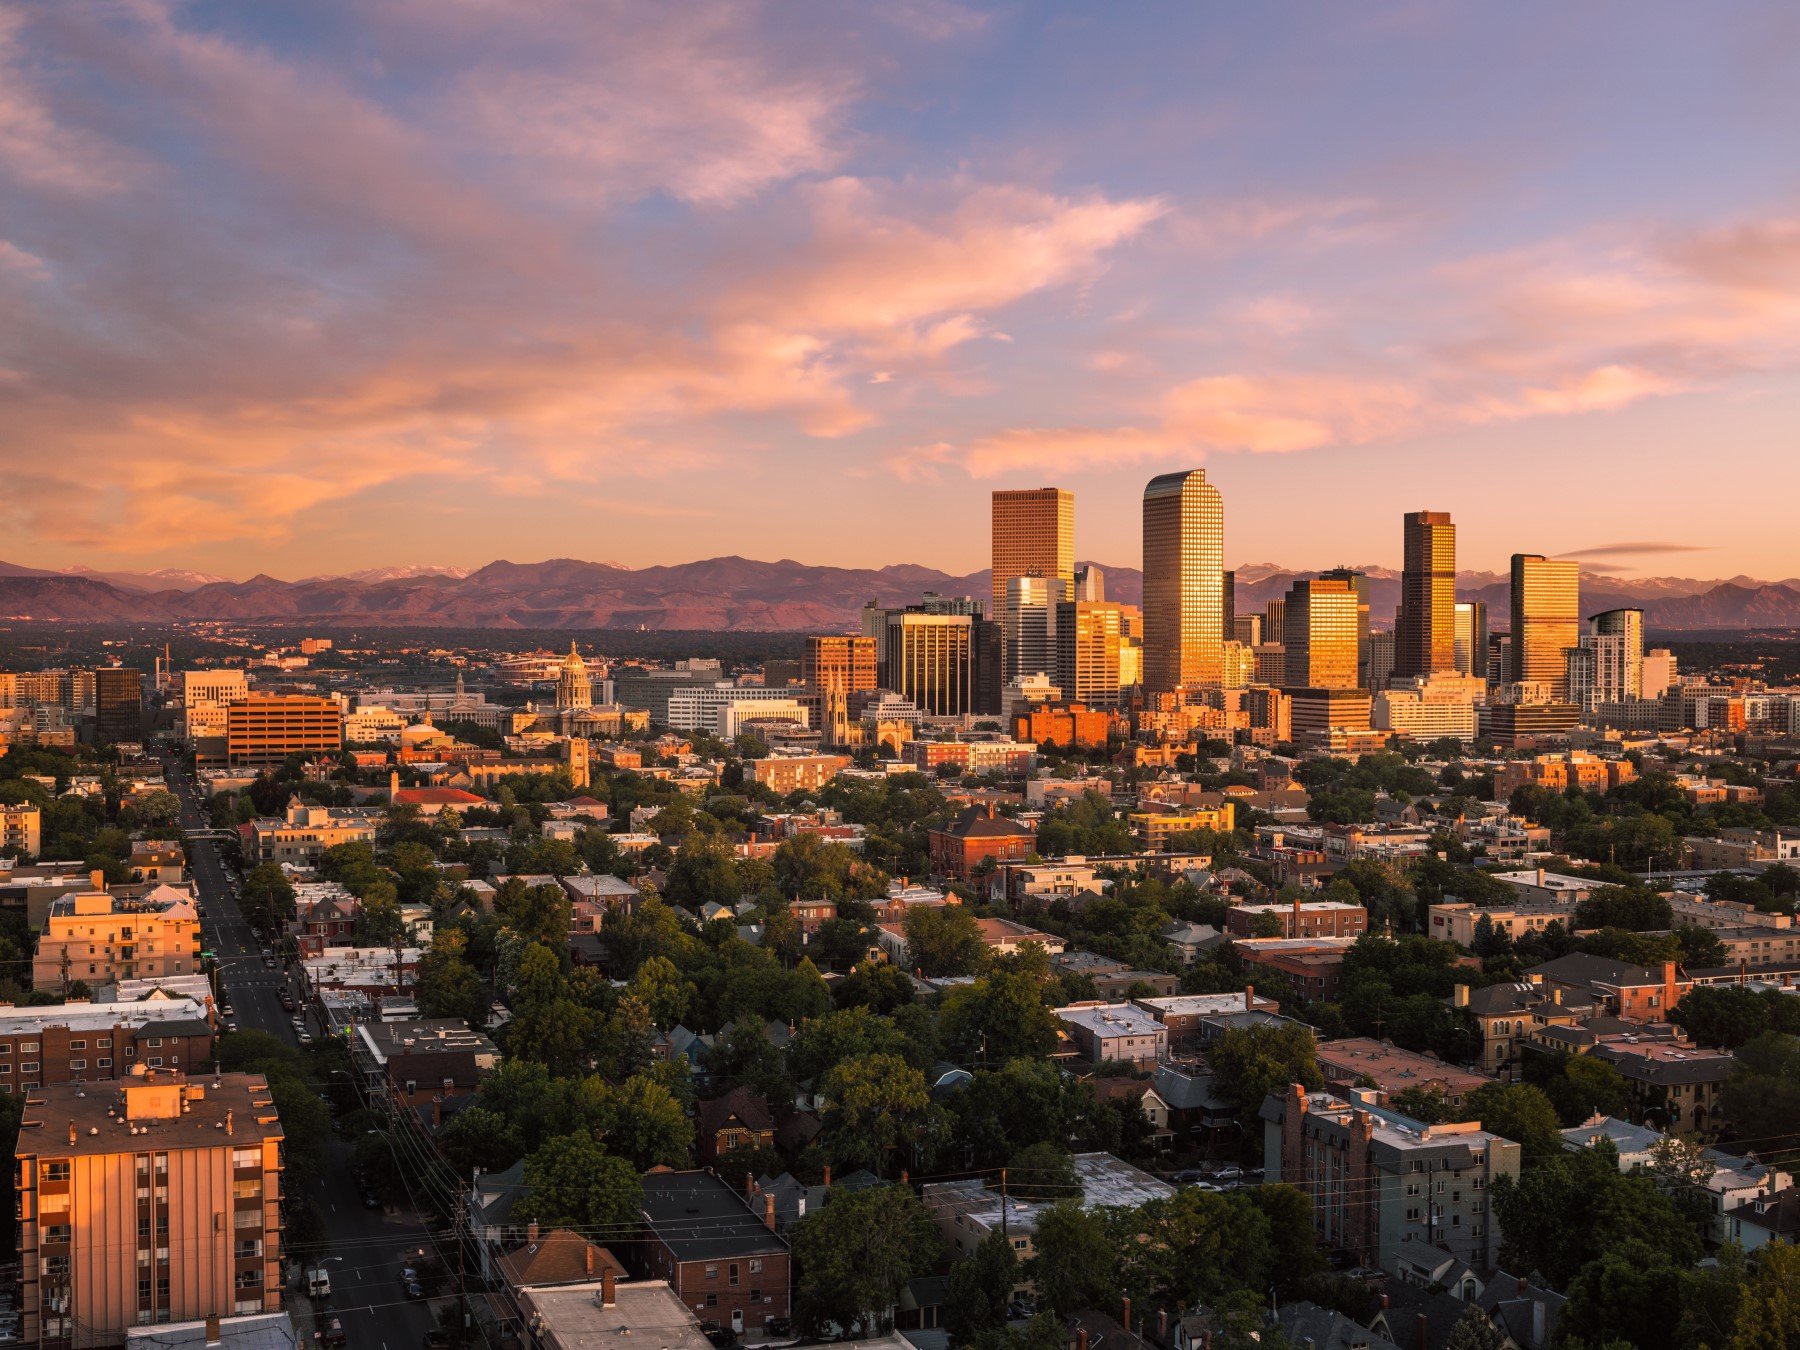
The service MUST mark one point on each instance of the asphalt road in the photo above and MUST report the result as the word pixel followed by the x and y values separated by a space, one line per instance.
pixel 367 1249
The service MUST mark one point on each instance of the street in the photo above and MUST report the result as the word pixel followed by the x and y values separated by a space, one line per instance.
pixel 366 1249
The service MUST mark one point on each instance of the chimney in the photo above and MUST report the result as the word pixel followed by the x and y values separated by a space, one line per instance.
pixel 437 1112
pixel 905 1177
pixel 1668 986
pixel 609 1293
pixel 1162 1325
pixel 72 1133
pixel 1743 971
pixel 589 1261
pixel 1524 1286
pixel 749 1184
pixel 827 1176
pixel 1424 1324
pixel 1543 876
pixel 531 1233
pixel 1462 996
pixel 1081 1339
pixel 393 784
pixel 97 878
pixel 1249 998
pixel 229 1116
pixel 769 1211
pixel 213 1335
pixel 1384 1302
pixel 1125 1313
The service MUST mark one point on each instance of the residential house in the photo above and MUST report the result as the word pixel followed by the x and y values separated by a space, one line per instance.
pixel 723 1261
pixel 1118 1033
pixel 738 1120
pixel 977 836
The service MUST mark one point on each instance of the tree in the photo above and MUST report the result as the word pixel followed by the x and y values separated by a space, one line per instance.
pixel 645 1122
pixel 1076 1260
pixel 1630 1291
pixel 841 1035
pixel 1043 1171
pixel 447 985
pixel 1251 1062
pixel 856 1253
pixel 572 1182
pixel 943 940
pixel 1722 1015
pixel 1762 1096
pixel 980 1288
pixel 1473 1331
pixel 998 1018
pixel 1520 1112
pixel 875 985
pixel 1769 1309
pixel 872 1107
pixel 664 990
pixel 1629 907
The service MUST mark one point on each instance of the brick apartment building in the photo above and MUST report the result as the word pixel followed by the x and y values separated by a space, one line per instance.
pixel 100 1042
pixel 1301 919
pixel 724 1261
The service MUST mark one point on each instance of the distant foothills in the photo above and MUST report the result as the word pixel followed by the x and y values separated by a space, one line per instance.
pixel 739 595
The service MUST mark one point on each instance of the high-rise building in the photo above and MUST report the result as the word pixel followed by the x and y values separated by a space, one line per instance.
pixel 839 661
pixel 1359 582
pixel 118 704
pixel 1627 674
pixel 1184 565
pixel 156 1203
pixel 1247 629
pixel 1320 638
pixel 1659 672
pixel 1028 625
pixel 1381 659
pixel 1088 645
pixel 1425 628
pixel 1546 621
pixel 1471 637
pixel 1274 622
pixel 261 731
pixel 1090 583
pixel 1033 532
pixel 931 660
pixel 1228 603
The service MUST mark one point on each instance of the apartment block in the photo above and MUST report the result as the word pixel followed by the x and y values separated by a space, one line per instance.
pixel 262 730
pixel 82 1042
pixel 21 831
pixel 101 938
pixel 159 1202
pixel 1378 1179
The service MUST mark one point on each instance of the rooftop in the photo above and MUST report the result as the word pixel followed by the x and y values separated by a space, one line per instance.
pixel 1105 1181
pixel 1204 1005
pixel 81 1016
pixel 1110 1019
pixel 179 1113
pixel 646 1311
pixel 386 1039
pixel 698 1217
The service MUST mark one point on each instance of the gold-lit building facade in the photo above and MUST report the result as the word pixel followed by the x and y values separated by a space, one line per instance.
pixel 1033 533
pixel 1322 636
pixel 1546 620
pixel 1184 582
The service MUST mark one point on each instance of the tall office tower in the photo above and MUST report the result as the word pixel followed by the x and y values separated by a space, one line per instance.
pixel 1659 672
pixel 1228 605
pixel 1090 583
pixel 1028 625
pixel 1499 658
pixel 118 705
pixel 1359 582
pixel 1184 565
pixel 1089 641
pixel 1247 629
pixel 1625 672
pixel 839 661
pixel 1471 637
pixel 1381 660
pixel 1425 630
pixel 1320 637
pixel 1546 621
pixel 157 1202
pixel 262 730
pixel 1274 624
pixel 931 660
pixel 1034 532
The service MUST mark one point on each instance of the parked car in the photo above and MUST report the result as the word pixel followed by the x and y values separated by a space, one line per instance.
pixel 1228 1172
pixel 1187 1176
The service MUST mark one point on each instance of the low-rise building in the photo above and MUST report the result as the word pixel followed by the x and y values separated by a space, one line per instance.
pixel 1299 919
pixel 411 1063
pixel 1186 1017
pixel 785 774
pixel 1630 992
pixel 724 1262
pixel 1118 1033
pixel 1349 1060
pixel 968 1210
pixel 305 832
pixel 97 937
pixel 582 1315
pixel 976 836
pixel 1457 920
pixel 82 1042
pixel 21 830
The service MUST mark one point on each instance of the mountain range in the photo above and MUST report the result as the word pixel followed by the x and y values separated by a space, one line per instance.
pixel 738 594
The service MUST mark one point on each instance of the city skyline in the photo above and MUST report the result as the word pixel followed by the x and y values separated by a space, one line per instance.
pixel 309 289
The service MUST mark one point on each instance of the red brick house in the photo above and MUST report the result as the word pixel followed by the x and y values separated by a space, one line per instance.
pixel 739 1119
pixel 958 848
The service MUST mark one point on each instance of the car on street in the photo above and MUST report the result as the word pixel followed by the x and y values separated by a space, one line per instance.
pixel 409 1281
pixel 306 1038
pixel 231 1024
pixel 1228 1172
pixel 1187 1176
pixel 370 1199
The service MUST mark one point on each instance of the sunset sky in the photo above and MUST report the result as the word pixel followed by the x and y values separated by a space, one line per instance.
pixel 334 284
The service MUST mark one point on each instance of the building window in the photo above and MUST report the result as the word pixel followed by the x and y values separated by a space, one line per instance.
pixel 712 1300
pixel 103 1064
pixel 53 1171
pixel 731 1273
pixel 712 1270
pixel 77 1045
pixel 103 1043
pixel 28 1047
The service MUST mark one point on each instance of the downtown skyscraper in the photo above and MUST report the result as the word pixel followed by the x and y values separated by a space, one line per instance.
pixel 1033 535
pixel 1184 582
pixel 1546 620
pixel 1425 628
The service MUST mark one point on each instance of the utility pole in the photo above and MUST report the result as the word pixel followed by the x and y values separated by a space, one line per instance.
pixel 1004 1206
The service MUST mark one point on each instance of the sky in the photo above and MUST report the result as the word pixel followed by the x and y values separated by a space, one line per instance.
pixel 316 286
